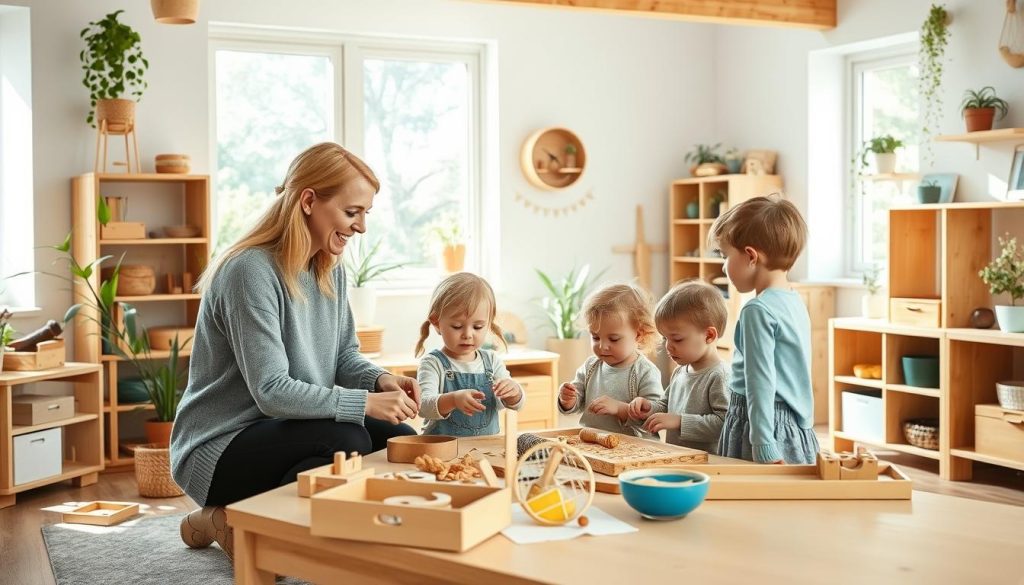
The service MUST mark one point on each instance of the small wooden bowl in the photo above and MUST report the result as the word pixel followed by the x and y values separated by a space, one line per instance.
pixel 173 163
pixel 160 338
pixel 407 449
pixel 181 231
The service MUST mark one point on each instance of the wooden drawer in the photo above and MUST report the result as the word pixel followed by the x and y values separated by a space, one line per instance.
pixel 36 409
pixel 999 432
pixel 540 397
pixel 917 312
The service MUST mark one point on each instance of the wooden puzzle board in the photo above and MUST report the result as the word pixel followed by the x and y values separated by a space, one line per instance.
pixel 631 453
pixel 799 482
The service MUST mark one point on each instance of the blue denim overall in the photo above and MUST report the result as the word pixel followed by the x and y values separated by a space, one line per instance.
pixel 457 423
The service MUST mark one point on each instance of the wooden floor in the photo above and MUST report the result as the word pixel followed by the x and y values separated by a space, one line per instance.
pixel 25 560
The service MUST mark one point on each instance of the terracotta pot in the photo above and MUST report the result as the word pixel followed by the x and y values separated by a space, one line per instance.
pixel 158 433
pixel 454 258
pixel 175 11
pixel 116 112
pixel 979 119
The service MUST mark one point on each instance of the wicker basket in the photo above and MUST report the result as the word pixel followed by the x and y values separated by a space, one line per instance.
pixel 153 472
pixel 371 340
pixel 1011 394
pixel 922 432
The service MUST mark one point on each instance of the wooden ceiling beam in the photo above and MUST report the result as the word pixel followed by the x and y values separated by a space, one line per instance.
pixel 810 14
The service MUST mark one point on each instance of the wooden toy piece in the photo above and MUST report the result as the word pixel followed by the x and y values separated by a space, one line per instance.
pixel 340 472
pixel 187 282
pixel 828 465
pixel 553 482
pixel 436 500
pixel 47 355
pixel 511 454
pixel 609 440
pixel 487 470
pixel 860 466
pixel 101 513
pixel 405 449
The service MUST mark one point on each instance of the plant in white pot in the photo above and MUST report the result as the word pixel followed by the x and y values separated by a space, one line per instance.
pixel 873 304
pixel 363 267
pixel 1005 275
pixel 446 233
pixel 883 151
pixel 562 308
pixel 114 70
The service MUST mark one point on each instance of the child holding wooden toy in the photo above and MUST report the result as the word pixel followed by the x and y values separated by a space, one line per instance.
pixel 690 318
pixel 621 326
pixel 463 386
pixel 771 409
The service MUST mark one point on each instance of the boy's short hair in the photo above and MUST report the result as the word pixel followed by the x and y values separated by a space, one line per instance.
pixel 771 225
pixel 695 302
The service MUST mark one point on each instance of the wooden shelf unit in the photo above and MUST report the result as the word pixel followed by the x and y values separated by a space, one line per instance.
pixel 82 441
pixel 935 253
pixel 191 195
pixel 984 137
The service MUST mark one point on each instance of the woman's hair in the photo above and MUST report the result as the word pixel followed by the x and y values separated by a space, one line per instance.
pixel 282 231
pixel 695 302
pixel 627 300
pixel 460 294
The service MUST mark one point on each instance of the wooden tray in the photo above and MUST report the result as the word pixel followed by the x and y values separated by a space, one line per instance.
pixel 48 354
pixel 407 448
pixel 632 453
pixel 799 482
pixel 101 513
pixel 355 511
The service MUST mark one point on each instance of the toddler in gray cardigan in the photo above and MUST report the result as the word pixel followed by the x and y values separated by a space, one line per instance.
pixel 690 318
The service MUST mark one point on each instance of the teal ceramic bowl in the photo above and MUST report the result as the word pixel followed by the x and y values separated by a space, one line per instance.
pixel 664 494
pixel 131 391
pixel 921 371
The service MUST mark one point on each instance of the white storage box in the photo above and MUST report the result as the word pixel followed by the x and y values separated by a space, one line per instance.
pixel 862 416
pixel 37 456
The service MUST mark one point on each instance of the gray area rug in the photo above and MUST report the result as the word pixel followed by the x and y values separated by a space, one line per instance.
pixel 145 550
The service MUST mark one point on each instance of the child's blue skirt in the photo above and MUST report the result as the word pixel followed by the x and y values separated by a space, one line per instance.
pixel 797 445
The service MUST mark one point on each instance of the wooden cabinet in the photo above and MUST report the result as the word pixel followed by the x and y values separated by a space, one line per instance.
pixel 164 200
pixel 80 437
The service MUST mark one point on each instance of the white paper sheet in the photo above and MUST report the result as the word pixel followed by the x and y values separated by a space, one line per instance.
pixel 524 530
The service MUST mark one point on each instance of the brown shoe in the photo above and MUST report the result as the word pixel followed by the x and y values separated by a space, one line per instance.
pixel 203 526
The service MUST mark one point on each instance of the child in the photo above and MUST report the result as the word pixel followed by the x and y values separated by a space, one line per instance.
pixel 462 386
pixel 690 318
pixel 771 409
pixel 621 325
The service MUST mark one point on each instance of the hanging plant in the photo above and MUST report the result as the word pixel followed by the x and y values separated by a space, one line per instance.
pixel 112 62
pixel 934 38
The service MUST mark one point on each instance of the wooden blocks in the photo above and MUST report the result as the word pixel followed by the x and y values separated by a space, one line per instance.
pixel 343 470
pixel 123 230
pixel 845 466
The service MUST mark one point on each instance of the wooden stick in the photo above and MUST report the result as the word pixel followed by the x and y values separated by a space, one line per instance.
pixel 609 440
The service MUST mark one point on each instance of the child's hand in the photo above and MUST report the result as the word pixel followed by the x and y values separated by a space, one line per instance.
pixel 607 405
pixel 639 408
pixel 508 391
pixel 468 402
pixel 567 396
pixel 663 421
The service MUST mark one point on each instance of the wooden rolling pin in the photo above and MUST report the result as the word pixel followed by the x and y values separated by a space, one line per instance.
pixel 609 440
pixel 45 333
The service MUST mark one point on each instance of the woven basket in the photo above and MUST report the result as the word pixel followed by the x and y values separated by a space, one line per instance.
pixel 371 340
pixel 922 432
pixel 153 472
pixel 1011 394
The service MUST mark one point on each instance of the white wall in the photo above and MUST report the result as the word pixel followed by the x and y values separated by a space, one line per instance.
pixel 762 94
pixel 637 91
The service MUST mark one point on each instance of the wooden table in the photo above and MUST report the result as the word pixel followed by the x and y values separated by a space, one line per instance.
pixel 932 538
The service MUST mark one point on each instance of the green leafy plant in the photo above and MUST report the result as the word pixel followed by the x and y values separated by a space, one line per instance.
pixel 704 153
pixel 1005 274
pixel 112 62
pixel 362 266
pixel 562 308
pixel 570 149
pixel 984 98
pixel 872 279
pixel 885 144
pixel 931 53
pixel 6 331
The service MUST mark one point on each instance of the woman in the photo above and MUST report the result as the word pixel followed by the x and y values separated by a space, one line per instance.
pixel 276 381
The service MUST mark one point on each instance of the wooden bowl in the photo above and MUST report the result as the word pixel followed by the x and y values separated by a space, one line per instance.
pixel 173 163
pixel 181 231
pixel 407 449
pixel 136 280
pixel 160 338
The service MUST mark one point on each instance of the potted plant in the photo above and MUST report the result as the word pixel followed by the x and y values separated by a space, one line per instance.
pixel 873 304
pixel 704 154
pixel 570 156
pixel 114 70
pixel 931 54
pixel 6 333
pixel 979 108
pixel 1005 274
pixel 733 161
pixel 447 234
pixel 362 267
pixel 883 150
pixel 562 309
pixel 716 203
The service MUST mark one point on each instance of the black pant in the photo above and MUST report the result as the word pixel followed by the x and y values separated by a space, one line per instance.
pixel 271 453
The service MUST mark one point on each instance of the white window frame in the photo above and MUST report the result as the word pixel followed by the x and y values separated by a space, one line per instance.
pixel 348 53
pixel 856 65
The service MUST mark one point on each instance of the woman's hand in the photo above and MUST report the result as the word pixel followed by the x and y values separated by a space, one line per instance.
pixel 639 408
pixel 663 421
pixel 468 402
pixel 507 391
pixel 392 406
pixel 567 396
pixel 411 388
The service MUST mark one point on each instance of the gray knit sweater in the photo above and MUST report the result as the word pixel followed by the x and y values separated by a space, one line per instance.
pixel 259 353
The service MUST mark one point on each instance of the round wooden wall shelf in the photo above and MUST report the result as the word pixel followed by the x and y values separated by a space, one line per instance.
pixel 548 159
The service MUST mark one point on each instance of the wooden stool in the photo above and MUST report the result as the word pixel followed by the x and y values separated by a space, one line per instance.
pixel 106 128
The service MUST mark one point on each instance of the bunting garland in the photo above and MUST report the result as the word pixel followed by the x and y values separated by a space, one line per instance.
pixel 554 211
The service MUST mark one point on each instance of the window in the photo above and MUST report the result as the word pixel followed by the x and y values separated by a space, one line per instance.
pixel 884 101
pixel 411 111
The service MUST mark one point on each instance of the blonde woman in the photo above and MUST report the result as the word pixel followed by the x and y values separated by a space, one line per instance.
pixel 276 381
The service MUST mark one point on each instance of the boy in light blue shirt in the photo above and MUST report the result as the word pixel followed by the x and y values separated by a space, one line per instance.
pixel 770 417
